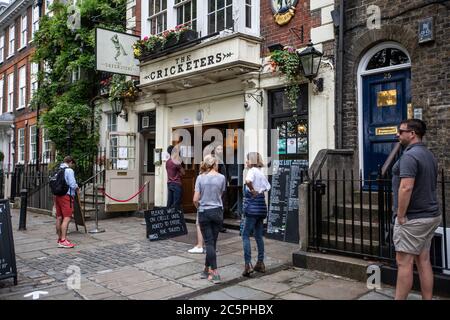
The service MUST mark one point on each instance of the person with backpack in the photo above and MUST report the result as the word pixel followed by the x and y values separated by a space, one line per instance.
pixel 64 187
pixel 255 211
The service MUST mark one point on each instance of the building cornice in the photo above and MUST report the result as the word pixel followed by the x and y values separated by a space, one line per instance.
pixel 14 10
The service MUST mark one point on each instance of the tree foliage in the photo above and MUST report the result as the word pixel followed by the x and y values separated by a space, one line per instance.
pixel 68 104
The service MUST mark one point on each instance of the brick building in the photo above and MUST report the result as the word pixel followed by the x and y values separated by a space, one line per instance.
pixel 396 58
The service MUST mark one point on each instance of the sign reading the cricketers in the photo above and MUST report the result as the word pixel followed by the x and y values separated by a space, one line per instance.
pixel 114 52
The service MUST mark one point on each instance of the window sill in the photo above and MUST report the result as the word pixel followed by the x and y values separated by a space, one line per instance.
pixel 10 56
pixel 21 108
pixel 22 47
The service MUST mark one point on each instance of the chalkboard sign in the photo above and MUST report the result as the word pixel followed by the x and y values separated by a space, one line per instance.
pixel 78 214
pixel 8 267
pixel 163 223
pixel 282 219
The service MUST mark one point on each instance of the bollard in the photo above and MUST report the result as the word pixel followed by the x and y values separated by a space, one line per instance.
pixel 23 209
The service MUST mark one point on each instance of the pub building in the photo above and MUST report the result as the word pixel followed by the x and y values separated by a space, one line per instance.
pixel 223 80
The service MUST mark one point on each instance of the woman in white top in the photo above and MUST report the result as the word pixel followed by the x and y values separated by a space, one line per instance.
pixel 255 211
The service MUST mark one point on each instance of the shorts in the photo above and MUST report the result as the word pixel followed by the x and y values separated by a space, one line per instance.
pixel 64 206
pixel 414 236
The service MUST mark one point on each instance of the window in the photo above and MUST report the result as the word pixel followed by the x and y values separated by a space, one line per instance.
pixel 33 79
pixel 248 13
pixel 386 58
pixel 76 74
pixel 1 96
pixel 46 146
pixel 33 144
pixel 112 127
pixel 21 150
pixel 12 35
pixel 187 13
pixel 11 92
pixel 48 3
pixel 122 155
pixel 24 32
pixel 220 15
pixel 2 47
pixel 158 16
pixel 22 86
pixel 35 20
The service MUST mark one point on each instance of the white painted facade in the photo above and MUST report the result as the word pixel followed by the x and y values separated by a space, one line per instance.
pixel 216 92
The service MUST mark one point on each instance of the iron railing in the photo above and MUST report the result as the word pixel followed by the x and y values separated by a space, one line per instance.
pixel 352 216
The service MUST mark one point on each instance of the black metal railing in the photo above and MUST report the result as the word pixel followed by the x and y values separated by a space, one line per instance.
pixel 27 176
pixel 352 216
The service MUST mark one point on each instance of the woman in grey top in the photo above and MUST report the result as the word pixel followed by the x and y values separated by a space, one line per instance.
pixel 209 188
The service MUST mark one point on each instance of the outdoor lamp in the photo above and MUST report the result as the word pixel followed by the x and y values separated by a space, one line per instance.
pixel 310 59
pixel 116 106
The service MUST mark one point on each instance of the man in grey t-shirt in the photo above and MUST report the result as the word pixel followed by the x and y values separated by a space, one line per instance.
pixel 414 182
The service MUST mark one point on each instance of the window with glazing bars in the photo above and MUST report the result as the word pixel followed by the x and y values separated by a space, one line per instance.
pixel 158 16
pixel 33 144
pixel 248 13
pixel 187 13
pixel 21 138
pixel 220 15
pixel 46 146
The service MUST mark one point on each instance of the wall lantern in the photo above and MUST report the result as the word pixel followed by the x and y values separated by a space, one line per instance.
pixel 116 106
pixel 310 59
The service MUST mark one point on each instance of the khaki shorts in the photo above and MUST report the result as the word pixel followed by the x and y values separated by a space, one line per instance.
pixel 415 235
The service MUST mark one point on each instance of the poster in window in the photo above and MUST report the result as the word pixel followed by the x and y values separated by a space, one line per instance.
pixel 123 153
pixel 291 145
pixel 122 164
pixel 281 146
pixel 302 145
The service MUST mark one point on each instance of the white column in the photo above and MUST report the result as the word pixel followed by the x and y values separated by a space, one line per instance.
pixel 162 136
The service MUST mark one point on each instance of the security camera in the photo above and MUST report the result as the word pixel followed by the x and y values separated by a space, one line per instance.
pixel 246 106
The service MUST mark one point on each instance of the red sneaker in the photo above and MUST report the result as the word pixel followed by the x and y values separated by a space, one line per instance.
pixel 65 244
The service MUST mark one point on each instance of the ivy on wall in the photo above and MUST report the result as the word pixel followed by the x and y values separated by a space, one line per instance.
pixel 68 104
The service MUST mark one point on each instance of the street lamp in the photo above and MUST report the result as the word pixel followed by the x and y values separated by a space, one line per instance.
pixel 116 106
pixel 310 59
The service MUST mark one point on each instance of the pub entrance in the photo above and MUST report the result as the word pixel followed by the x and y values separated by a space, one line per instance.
pixel 232 171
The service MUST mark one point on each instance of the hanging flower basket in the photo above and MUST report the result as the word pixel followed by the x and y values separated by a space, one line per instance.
pixel 287 61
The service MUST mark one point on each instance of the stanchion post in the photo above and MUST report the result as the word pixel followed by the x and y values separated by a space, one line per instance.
pixel 23 210
pixel 96 230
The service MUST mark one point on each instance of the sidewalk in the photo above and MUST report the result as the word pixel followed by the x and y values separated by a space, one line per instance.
pixel 120 264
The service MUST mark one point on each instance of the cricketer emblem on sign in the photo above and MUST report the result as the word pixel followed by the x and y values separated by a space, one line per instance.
pixel 283 10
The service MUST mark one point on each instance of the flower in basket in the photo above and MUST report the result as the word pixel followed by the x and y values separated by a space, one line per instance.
pixel 147 45
pixel 122 89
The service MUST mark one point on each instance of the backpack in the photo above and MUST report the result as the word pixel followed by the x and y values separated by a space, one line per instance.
pixel 58 184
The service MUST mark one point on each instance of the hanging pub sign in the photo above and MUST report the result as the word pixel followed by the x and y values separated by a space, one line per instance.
pixel 283 10
pixel 114 52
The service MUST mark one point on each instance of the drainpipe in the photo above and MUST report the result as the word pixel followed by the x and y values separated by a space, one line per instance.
pixel 340 73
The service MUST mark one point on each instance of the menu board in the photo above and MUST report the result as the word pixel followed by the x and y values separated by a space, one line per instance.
pixel 282 219
pixel 8 267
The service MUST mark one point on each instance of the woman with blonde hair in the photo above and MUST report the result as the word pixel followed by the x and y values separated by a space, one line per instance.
pixel 209 188
pixel 255 211
pixel 198 248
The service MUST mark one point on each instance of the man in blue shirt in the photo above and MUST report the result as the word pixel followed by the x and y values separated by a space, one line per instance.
pixel 64 204
pixel 414 184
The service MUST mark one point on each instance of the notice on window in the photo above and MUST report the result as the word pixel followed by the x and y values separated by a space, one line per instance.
pixel 123 153
pixel 122 164
pixel 291 145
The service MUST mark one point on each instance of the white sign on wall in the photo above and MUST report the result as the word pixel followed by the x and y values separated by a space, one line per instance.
pixel 114 52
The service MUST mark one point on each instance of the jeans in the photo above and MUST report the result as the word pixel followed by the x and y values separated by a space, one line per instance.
pixel 174 195
pixel 255 224
pixel 210 221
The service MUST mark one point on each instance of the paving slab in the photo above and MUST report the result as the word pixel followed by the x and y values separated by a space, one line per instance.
pixel 166 292
pixel 335 289
pixel 267 285
pixel 296 296
pixel 162 263
pixel 242 292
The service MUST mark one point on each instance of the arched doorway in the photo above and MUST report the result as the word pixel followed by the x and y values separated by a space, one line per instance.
pixel 384 97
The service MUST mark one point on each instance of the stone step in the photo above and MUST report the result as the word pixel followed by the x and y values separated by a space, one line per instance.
pixel 346 244
pixel 350 229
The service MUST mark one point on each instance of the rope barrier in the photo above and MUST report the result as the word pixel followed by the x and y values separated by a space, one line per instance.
pixel 118 200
